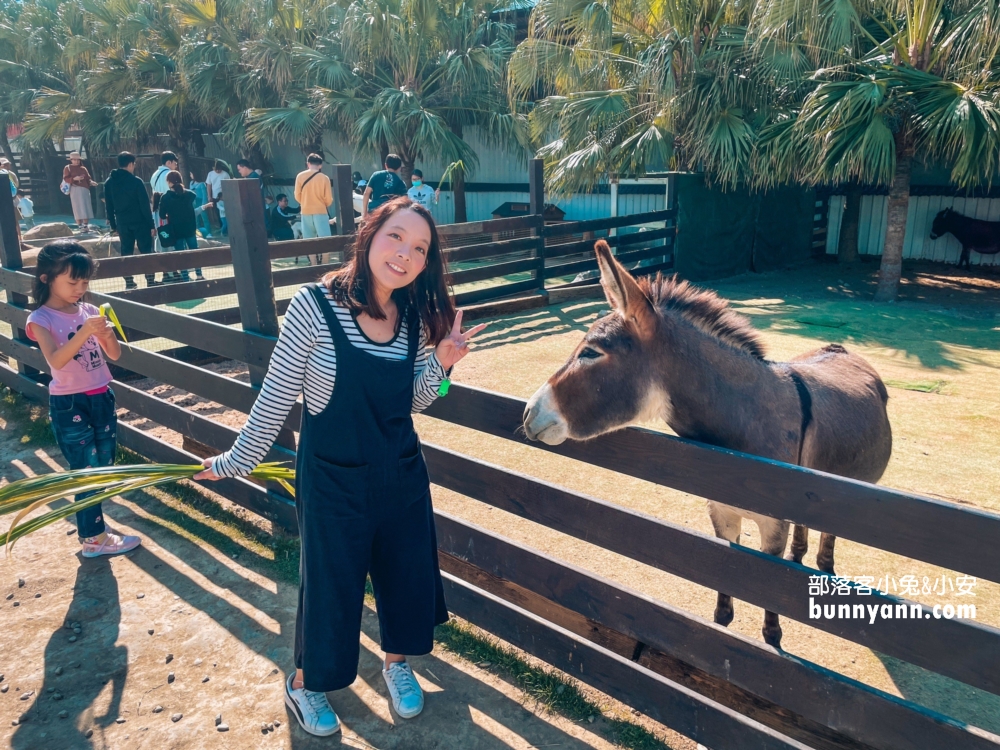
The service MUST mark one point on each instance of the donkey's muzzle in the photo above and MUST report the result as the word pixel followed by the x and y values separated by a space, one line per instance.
pixel 542 420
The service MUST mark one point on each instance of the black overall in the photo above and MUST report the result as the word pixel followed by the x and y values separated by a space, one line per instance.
pixel 364 508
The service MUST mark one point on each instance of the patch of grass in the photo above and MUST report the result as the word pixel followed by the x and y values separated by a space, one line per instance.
pixel 28 418
pixel 547 686
pixel 923 386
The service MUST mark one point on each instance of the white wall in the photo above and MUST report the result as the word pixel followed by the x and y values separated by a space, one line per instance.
pixel 919 218
pixel 495 166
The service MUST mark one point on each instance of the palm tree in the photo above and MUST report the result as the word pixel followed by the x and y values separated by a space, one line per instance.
pixel 919 82
pixel 40 53
pixel 624 85
pixel 405 76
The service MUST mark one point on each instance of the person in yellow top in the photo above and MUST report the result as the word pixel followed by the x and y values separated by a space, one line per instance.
pixel 314 195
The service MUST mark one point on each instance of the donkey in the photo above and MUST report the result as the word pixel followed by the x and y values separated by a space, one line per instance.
pixel 680 353
pixel 974 234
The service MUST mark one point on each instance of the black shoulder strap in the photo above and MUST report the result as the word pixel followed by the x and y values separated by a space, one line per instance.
pixel 805 400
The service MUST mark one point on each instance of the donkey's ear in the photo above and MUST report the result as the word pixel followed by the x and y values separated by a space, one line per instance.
pixel 623 292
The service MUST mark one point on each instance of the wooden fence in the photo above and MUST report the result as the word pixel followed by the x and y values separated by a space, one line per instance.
pixel 715 686
pixel 537 256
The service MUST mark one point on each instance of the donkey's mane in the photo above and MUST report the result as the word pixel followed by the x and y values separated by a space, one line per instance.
pixel 704 309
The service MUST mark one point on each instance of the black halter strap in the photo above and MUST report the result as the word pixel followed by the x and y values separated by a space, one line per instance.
pixel 805 400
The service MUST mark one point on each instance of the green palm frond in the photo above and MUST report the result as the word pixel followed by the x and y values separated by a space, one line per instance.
pixel 26 495
pixel 295 123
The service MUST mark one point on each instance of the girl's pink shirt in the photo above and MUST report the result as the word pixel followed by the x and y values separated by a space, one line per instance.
pixel 87 371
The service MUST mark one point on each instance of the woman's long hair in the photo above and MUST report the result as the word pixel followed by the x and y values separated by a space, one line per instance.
pixel 426 296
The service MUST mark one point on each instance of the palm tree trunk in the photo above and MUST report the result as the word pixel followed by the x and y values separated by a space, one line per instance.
pixel 198 143
pixel 847 246
pixel 895 231
pixel 409 163
pixel 5 145
pixel 313 145
pixel 180 147
pixel 458 186
pixel 53 165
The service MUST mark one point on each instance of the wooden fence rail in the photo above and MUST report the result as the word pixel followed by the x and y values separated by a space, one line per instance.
pixel 938 532
pixel 546 253
pixel 715 686
pixel 631 624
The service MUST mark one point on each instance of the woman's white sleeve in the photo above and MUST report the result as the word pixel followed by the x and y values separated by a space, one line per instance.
pixel 282 385
pixel 427 375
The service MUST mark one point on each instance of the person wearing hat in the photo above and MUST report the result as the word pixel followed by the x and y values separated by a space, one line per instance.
pixel 80 182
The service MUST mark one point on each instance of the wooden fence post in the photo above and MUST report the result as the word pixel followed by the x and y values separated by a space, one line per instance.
pixel 10 259
pixel 343 199
pixel 252 270
pixel 536 199
pixel 671 204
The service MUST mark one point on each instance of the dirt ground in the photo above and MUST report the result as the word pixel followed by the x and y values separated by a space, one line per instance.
pixel 937 348
pixel 196 623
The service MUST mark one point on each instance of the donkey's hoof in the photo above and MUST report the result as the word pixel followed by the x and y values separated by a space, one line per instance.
pixel 826 566
pixel 724 616
pixel 772 636
pixel 792 557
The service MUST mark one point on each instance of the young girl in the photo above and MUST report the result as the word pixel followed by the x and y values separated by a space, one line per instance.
pixel 355 343
pixel 179 209
pixel 75 338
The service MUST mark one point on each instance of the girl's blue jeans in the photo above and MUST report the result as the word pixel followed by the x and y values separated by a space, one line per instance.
pixel 85 428
pixel 187 243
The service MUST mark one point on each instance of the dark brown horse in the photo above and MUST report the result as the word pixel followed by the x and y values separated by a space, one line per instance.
pixel 974 234
pixel 674 351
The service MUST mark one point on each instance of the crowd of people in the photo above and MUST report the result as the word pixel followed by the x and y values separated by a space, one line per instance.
pixel 175 215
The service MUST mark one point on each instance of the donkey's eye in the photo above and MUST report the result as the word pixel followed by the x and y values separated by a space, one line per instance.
pixel 588 353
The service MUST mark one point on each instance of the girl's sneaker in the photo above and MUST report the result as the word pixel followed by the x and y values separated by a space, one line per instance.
pixel 312 709
pixel 407 697
pixel 112 545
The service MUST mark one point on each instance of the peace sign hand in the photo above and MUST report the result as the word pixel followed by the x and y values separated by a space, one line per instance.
pixel 456 345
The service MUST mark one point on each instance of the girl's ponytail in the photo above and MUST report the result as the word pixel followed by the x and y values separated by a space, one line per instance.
pixel 175 181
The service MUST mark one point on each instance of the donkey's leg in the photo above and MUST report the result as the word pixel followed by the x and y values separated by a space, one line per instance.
pixel 824 558
pixel 728 523
pixel 773 537
pixel 800 544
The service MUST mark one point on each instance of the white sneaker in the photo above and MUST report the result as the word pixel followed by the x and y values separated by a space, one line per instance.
pixel 112 545
pixel 311 709
pixel 407 697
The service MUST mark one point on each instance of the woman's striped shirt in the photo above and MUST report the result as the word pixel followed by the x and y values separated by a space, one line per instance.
pixel 305 361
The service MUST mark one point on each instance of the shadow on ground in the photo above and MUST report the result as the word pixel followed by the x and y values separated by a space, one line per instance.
pixel 940 310
pixel 75 675
pixel 461 711
pixel 950 697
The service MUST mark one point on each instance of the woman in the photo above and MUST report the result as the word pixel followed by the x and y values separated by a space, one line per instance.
pixel 178 210
pixel 78 178
pixel 363 494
